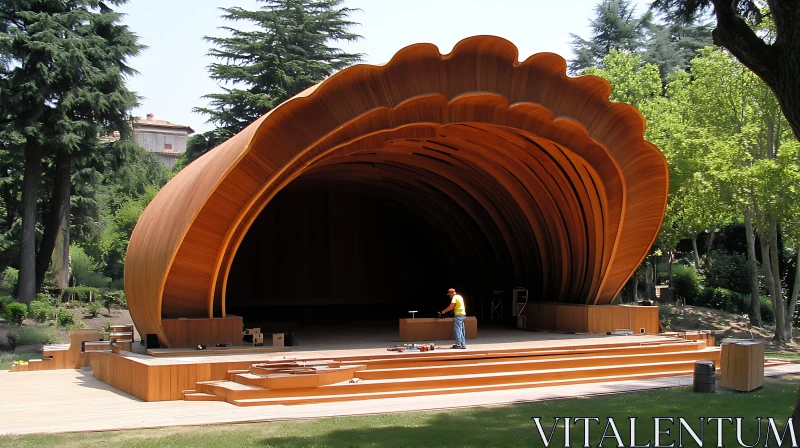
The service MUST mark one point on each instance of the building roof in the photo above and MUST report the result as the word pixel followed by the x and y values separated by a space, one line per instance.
pixel 151 121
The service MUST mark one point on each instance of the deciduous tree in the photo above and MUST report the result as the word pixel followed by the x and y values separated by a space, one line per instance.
pixel 774 57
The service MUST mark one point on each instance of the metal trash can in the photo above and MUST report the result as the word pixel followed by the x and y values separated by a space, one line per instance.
pixel 705 376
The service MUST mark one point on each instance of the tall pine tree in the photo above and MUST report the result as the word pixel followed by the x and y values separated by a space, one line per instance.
pixel 614 27
pixel 288 52
pixel 673 42
pixel 62 85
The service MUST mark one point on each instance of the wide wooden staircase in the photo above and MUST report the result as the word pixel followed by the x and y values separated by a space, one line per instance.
pixel 289 382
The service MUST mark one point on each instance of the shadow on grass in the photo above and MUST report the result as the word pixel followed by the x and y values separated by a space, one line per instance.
pixel 507 426
pixel 511 426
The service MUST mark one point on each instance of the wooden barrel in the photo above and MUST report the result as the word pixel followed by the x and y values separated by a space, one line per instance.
pixel 705 376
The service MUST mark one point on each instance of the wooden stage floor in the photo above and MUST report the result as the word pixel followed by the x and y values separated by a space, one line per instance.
pixel 335 341
pixel 83 403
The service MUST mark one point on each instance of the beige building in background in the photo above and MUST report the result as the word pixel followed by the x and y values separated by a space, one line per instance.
pixel 166 139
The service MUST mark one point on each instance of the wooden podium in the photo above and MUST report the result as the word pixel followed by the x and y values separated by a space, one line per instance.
pixel 433 329
pixel 742 365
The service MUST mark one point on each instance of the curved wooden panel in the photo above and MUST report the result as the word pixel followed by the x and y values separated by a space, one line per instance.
pixel 556 178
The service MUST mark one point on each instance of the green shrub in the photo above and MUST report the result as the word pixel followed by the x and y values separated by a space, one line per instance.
pixel 15 312
pixel 686 283
pixel 118 284
pixel 81 264
pixel 727 270
pixel 95 280
pixel 46 298
pixel 5 300
pixel 82 293
pixel 111 298
pixel 767 311
pixel 93 308
pixel 723 299
pixel 85 269
pixel 10 278
pixel 36 335
pixel 13 340
pixel 43 311
pixel 65 317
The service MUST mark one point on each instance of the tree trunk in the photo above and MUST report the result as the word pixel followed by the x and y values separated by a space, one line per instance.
pixel 710 244
pixel 780 305
pixel 752 268
pixel 766 261
pixel 695 252
pixel 26 291
pixel 670 261
pixel 793 299
pixel 59 211
pixel 61 256
pixel 650 282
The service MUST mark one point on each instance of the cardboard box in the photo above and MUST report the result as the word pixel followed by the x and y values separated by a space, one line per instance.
pixel 277 339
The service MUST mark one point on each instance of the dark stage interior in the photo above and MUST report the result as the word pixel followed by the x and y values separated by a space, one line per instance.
pixel 340 253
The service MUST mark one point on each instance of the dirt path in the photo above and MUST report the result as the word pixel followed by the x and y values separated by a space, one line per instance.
pixel 734 326
pixel 117 317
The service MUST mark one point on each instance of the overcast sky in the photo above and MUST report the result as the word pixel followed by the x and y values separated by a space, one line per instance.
pixel 173 75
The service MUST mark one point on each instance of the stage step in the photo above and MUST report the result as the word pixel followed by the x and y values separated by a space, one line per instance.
pixel 449 372
pixel 515 352
pixel 235 391
pixel 456 390
pixel 229 390
pixel 535 364
pixel 445 391
pixel 466 357
pixel 197 396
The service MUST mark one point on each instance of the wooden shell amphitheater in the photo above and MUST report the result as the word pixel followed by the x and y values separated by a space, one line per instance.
pixel 533 172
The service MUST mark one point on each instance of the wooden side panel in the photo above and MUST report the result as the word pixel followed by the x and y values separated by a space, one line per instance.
pixel 185 333
pixel 62 359
pixel 157 382
pixel 124 374
pixel 431 329
pixel 76 337
pixel 591 318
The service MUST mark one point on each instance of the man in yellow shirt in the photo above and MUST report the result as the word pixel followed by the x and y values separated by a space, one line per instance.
pixel 457 304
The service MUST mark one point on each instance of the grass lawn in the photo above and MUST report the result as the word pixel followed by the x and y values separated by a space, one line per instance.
pixel 784 355
pixel 6 358
pixel 507 426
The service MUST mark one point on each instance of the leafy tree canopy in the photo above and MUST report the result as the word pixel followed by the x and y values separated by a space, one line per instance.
pixel 772 53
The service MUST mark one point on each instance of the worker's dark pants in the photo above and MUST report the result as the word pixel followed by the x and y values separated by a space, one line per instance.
pixel 458 329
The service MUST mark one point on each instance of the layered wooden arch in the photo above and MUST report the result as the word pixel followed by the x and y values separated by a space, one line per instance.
pixel 542 167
